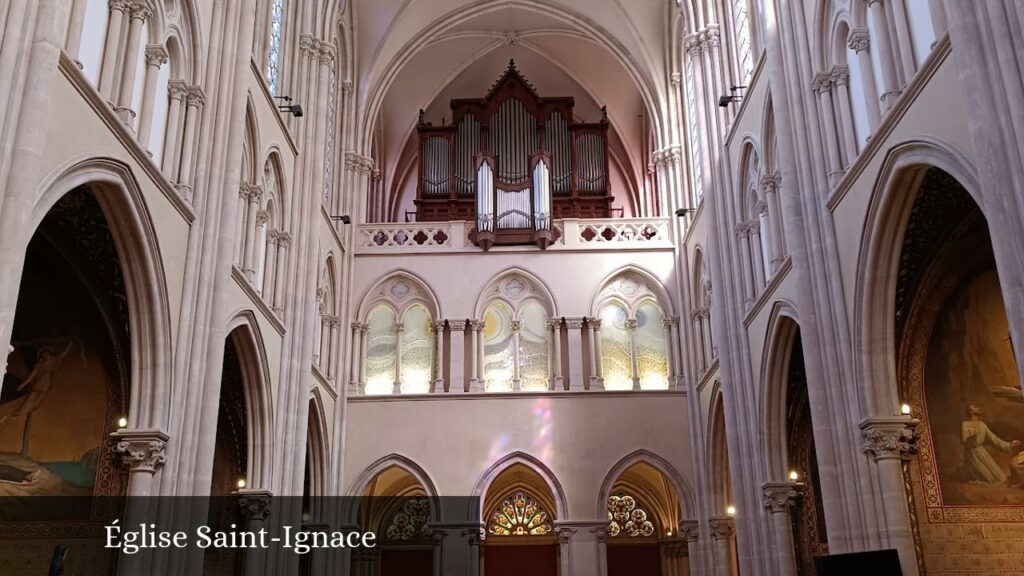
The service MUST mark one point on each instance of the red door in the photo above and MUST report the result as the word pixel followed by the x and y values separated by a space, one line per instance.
pixel 532 560
pixel 639 560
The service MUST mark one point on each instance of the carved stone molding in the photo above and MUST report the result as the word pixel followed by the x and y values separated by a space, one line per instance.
pixel 476 325
pixel 892 437
pixel 356 327
pixel 722 528
pixel 254 504
pixel 779 497
pixel 564 534
pixel 141 12
pixel 457 325
pixel 195 97
pixel 140 450
pixel 176 89
pixel 822 83
pixel 574 323
pixel 600 532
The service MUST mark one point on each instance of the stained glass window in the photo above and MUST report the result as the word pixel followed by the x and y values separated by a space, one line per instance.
pixel 651 347
pixel 533 347
pixel 616 355
pixel 417 351
pixel 274 54
pixel 741 19
pixel 381 351
pixel 696 179
pixel 499 353
pixel 409 522
pixel 520 515
pixel 626 518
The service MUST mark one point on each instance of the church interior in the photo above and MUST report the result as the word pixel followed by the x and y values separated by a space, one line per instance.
pixel 665 287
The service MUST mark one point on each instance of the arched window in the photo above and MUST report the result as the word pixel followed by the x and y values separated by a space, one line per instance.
pixel 514 337
pixel 274 35
pixel 633 335
pixel 519 515
pixel 327 334
pixel 626 518
pixel 400 339
pixel 743 45
pixel 693 133
pixel 701 313
pixel 753 231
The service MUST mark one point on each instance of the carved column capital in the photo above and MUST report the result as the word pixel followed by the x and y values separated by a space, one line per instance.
pixel 517 325
pixel 689 530
pixel 284 239
pixel 140 450
pixel 676 78
pixel 156 55
pixel 632 324
pixel 889 437
pixel 822 83
pixel 595 323
pixel 600 533
pixel 564 534
pixel 859 40
pixel 457 325
pixel 574 323
pixel 176 89
pixel 780 496
pixel 356 327
pixel 195 96
pixel 742 230
pixel 722 528
pixel 694 46
pixel 840 75
pixel 476 325
pixel 140 11
pixel 254 504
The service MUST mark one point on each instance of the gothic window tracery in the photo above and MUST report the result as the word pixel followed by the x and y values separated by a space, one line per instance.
pixel 399 340
pixel 626 518
pixel 634 336
pixel 274 44
pixel 519 515
pixel 514 337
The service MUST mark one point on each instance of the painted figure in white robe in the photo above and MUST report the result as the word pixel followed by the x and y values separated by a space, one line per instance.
pixel 979 466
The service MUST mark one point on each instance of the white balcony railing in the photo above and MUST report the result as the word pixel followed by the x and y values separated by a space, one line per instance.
pixel 571 234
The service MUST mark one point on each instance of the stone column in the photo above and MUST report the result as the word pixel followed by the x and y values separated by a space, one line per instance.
pixel 355 358
pixel 156 56
pixel 822 86
pixel 666 324
pixel 249 252
pixel 473 537
pixel 756 256
pixel 631 326
pixel 112 46
pixel 335 322
pixel 906 44
pixel 457 372
pixel 565 534
pixel 779 499
pixel 517 373
pixel 557 382
pixel 194 100
pixel 139 14
pixel 689 531
pixel 888 440
pixel 600 534
pixel 255 508
pixel 169 160
pixel 890 83
pixel 437 537
pixel 841 85
pixel 676 356
pixel 396 387
pixel 270 274
pixel 575 352
pixel 597 366
pixel 723 530
pixel 860 42
pixel 320 360
pixel 363 329
pixel 477 380
pixel 437 331
pixel 743 239
pixel 284 240
pixel 142 453
pixel 770 183
pixel 73 38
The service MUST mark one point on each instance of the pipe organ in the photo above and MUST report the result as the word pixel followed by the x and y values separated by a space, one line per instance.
pixel 512 162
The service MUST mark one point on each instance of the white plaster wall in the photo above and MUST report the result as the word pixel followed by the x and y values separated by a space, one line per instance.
pixel 580 438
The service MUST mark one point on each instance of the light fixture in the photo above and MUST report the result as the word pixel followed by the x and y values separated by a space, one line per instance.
pixel 241 483
pixel 122 422
pixel 344 219
pixel 669 533
pixel 793 476
pixel 680 212
pixel 730 510
pixel 905 409
pixel 724 101
pixel 293 109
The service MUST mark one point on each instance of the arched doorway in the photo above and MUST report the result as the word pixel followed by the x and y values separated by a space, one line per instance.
pixel 957 371
pixel 66 388
pixel 519 516
pixel 398 508
pixel 810 538
pixel 645 525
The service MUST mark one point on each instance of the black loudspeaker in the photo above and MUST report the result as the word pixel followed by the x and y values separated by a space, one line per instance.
pixel 875 563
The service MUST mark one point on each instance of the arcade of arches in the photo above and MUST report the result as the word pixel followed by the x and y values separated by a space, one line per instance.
pixel 663 288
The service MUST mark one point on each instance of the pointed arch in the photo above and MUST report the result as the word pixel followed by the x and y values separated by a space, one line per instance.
pixel 244 332
pixel 685 495
pixel 400 288
pixel 124 208
pixel 317 451
pixel 526 286
pixel 647 280
pixel 480 490
pixel 362 482
pixel 783 329
pixel 879 259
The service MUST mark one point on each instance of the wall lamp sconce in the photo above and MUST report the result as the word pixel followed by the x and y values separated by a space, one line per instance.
pixel 724 101
pixel 293 109
pixel 681 212
pixel 344 219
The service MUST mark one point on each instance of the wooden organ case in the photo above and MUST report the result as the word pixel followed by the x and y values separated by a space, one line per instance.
pixel 512 162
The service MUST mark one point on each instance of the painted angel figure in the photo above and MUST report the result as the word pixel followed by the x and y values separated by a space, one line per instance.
pixel 979 467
